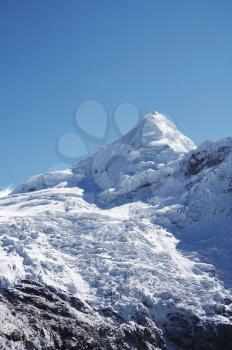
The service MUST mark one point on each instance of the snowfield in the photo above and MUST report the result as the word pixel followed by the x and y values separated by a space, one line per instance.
pixel 142 228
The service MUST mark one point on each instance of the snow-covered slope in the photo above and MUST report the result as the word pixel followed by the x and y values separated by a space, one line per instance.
pixel 154 142
pixel 139 234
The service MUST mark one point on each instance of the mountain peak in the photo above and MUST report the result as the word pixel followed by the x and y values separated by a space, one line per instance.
pixel 156 130
pixel 157 125
pixel 156 117
pixel 153 142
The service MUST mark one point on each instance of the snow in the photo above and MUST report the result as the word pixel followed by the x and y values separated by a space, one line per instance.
pixel 109 257
pixel 130 227
pixel 153 142
pixel 53 179
pixel 158 130
pixel 5 192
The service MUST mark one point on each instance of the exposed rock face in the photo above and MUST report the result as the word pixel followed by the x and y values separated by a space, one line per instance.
pixel 202 160
pixel 40 317
pixel 190 333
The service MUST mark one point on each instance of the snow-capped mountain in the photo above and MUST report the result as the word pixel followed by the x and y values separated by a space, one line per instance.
pixel 129 249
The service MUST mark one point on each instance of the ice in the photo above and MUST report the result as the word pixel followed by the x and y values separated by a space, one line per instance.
pixel 144 221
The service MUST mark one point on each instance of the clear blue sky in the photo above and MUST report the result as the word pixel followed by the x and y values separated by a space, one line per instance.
pixel 174 56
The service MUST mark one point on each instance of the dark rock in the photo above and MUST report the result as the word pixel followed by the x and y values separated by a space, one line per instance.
pixel 54 320
pixel 189 332
pixel 201 160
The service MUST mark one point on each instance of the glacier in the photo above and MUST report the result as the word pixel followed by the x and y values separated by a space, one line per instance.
pixel 128 249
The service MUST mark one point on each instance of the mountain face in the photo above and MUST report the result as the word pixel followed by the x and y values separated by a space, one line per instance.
pixel 129 249
pixel 151 144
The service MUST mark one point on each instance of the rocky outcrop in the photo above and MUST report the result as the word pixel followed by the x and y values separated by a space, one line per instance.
pixel 200 160
pixel 42 318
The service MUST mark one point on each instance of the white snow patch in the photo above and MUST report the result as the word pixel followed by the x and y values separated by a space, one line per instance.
pixel 6 191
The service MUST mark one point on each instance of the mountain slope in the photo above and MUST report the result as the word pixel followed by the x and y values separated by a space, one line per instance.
pixel 138 235
pixel 155 141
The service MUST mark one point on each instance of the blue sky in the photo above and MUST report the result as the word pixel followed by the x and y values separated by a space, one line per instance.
pixel 173 56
